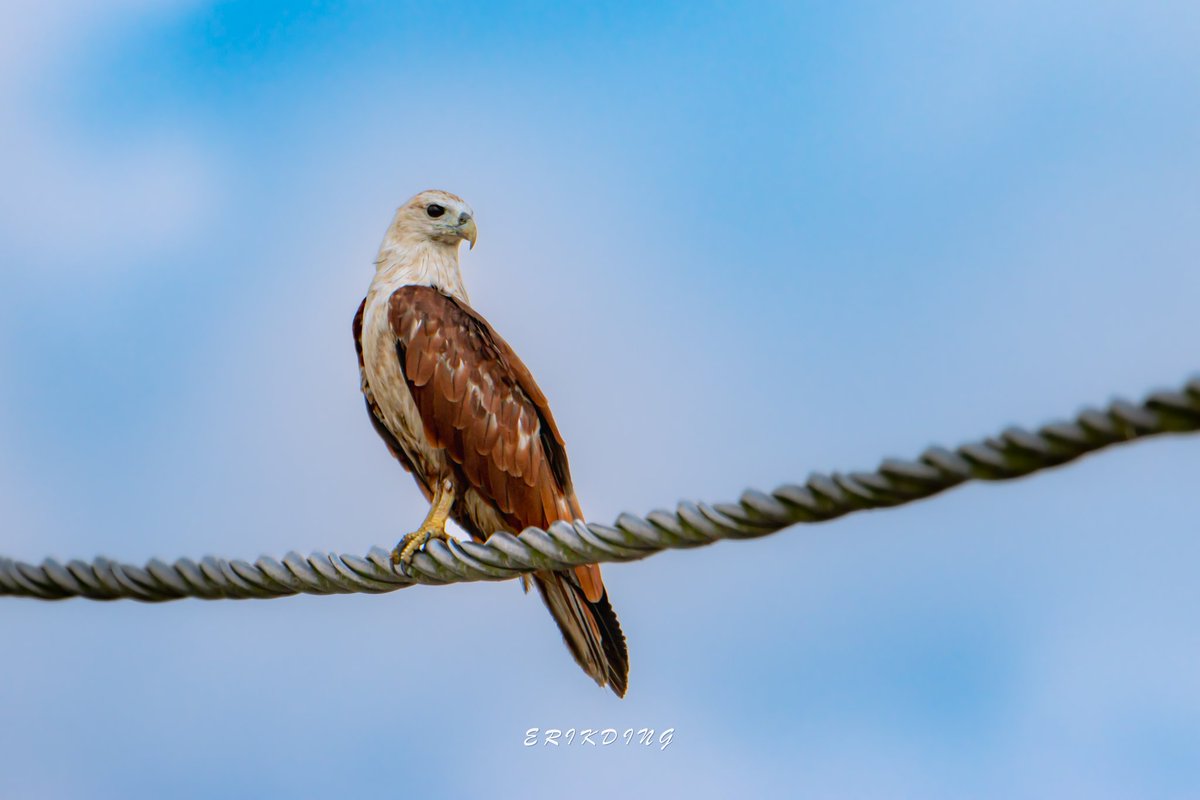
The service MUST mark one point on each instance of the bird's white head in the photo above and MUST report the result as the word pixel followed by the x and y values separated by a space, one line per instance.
pixel 434 216
pixel 421 245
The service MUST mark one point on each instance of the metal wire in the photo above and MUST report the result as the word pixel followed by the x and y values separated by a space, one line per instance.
pixel 1012 454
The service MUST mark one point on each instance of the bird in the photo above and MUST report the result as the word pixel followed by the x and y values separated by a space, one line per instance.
pixel 462 413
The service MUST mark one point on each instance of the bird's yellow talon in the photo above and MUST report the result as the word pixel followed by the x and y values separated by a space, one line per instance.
pixel 434 526
pixel 408 547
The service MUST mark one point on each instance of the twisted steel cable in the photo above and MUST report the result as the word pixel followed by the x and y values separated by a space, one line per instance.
pixel 1012 454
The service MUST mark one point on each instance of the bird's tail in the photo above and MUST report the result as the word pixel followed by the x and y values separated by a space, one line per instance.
pixel 589 628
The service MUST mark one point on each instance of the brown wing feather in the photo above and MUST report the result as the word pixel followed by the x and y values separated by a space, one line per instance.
pixel 480 403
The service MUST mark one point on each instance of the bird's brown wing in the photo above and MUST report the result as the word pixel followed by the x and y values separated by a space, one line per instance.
pixel 480 403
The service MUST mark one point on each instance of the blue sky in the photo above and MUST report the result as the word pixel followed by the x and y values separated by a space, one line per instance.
pixel 736 243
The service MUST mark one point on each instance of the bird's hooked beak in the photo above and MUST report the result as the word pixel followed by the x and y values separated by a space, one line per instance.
pixel 466 230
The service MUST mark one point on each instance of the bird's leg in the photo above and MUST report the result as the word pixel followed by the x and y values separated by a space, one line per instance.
pixel 434 526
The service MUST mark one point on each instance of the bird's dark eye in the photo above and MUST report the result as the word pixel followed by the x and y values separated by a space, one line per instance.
pixel 434 210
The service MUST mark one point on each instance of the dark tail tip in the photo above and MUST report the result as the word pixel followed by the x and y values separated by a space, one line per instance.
pixel 591 630
pixel 612 641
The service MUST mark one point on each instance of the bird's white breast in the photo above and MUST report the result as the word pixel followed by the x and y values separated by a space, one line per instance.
pixel 385 377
